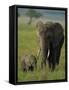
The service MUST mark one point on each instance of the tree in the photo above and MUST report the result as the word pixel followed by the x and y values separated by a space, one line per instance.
pixel 31 13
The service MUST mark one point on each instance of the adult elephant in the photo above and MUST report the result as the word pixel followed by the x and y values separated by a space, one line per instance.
pixel 51 38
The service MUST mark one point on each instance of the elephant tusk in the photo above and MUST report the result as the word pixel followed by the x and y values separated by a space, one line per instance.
pixel 48 53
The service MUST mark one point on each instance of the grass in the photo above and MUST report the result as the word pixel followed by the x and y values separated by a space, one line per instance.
pixel 28 44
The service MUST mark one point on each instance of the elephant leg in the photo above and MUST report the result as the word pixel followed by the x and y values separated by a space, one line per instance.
pixel 24 70
pixel 53 59
pixel 50 60
pixel 50 57
pixel 53 66
pixel 43 63
pixel 44 57
pixel 58 49
pixel 57 55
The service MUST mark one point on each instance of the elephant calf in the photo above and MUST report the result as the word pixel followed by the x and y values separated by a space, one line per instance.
pixel 51 38
pixel 29 63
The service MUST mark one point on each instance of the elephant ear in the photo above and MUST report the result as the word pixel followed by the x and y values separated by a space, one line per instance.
pixel 58 34
pixel 57 40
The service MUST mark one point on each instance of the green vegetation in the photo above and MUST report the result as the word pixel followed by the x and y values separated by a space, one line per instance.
pixel 28 44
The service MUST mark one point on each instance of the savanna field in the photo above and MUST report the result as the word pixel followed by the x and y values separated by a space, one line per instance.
pixel 28 44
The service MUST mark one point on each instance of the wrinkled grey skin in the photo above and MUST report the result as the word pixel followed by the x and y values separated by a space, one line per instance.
pixel 51 38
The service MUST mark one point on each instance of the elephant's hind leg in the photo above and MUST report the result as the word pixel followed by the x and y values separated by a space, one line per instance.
pixel 43 63
pixel 58 51
pixel 53 59
pixel 57 55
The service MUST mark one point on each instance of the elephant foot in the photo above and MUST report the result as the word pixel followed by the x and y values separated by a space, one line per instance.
pixel 49 66
pixel 53 67
pixel 24 70
pixel 31 68
pixel 57 63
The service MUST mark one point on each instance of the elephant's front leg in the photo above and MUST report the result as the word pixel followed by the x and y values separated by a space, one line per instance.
pixel 44 57
pixel 55 57
pixel 43 63
pixel 58 53
pixel 50 56
pixel 50 61
pixel 58 50
pixel 38 54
